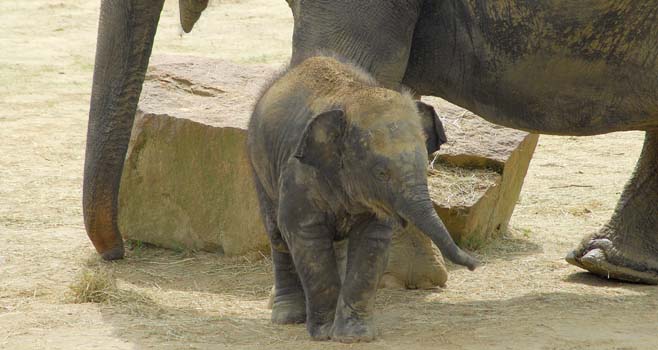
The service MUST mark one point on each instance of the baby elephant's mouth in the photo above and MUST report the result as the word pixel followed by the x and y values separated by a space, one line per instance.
pixel 386 213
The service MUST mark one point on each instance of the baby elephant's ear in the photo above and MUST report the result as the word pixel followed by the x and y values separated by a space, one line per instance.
pixel 435 135
pixel 320 142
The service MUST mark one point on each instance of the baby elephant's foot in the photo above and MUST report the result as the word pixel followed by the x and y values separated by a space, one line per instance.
pixel 289 310
pixel 353 330
pixel 319 331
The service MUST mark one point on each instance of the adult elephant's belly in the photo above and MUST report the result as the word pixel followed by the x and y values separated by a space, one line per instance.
pixel 575 67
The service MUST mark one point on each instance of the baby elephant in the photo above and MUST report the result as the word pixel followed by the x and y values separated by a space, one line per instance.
pixel 335 156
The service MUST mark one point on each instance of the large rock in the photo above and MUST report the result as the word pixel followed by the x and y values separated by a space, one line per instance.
pixel 474 181
pixel 187 184
pixel 478 174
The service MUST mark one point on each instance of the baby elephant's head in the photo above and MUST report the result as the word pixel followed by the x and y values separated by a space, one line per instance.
pixel 376 150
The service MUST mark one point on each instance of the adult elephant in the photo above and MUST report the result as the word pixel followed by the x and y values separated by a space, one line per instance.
pixel 574 67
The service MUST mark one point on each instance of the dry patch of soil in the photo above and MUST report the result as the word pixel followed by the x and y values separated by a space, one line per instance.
pixel 524 297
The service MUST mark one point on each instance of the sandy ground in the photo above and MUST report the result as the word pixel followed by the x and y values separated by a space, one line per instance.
pixel 524 297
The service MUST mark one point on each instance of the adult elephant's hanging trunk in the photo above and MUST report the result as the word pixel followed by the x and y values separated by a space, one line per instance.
pixel 125 38
pixel 190 11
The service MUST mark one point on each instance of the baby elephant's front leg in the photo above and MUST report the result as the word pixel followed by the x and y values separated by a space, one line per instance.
pixel 366 261
pixel 313 253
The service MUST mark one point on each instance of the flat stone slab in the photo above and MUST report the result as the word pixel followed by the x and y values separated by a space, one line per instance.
pixel 204 90
pixel 472 141
pixel 187 184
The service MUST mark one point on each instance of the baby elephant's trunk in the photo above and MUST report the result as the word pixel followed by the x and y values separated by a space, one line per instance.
pixel 426 220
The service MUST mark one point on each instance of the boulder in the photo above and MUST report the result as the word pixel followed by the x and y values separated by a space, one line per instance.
pixel 474 182
pixel 478 174
pixel 187 184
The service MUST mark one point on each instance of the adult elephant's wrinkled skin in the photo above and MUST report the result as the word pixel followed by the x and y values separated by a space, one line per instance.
pixel 574 67
pixel 337 157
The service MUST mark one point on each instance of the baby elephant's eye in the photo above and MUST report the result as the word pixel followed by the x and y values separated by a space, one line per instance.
pixel 381 173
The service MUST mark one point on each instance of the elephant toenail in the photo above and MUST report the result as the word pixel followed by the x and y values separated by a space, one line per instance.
pixel 593 256
pixel 602 243
pixel 571 258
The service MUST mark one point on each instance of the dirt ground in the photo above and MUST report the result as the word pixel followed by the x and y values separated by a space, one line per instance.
pixel 524 297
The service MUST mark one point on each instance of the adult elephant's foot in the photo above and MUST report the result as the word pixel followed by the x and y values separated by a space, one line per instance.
pixel 414 262
pixel 599 255
pixel 627 247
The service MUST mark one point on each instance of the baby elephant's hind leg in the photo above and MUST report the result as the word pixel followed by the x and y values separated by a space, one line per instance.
pixel 288 304
pixel 366 261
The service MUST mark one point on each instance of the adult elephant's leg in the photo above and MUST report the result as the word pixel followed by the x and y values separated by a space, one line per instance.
pixel 626 248
pixel 374 34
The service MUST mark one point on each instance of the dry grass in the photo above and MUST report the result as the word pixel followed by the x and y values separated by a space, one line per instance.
pixel 97 283
pixel 452 186
pixel 154 276
pixel 182 296
pixel 94 286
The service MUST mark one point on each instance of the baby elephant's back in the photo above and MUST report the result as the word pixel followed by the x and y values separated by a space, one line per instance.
pixel 277 122
pixel 290 102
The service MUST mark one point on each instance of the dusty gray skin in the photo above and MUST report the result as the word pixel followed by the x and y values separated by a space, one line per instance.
pixel 575 67
pixel 578 67
pixel 335 157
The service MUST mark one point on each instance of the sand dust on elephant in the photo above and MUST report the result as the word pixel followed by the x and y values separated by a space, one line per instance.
pixel 524 297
